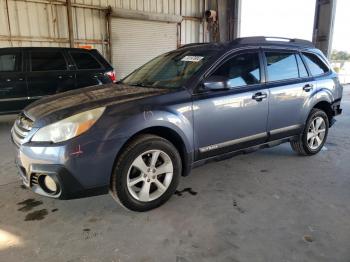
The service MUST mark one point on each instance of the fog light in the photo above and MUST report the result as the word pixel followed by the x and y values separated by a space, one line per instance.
pixel 50 184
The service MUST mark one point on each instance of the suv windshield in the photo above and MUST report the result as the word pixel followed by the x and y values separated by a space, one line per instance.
pixel 169 70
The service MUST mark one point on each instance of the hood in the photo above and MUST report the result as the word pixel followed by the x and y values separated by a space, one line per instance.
pixel 60 106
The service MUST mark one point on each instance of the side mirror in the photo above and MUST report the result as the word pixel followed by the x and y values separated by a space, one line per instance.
pixel 215 83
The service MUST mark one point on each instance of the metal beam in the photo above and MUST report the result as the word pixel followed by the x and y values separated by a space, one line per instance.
pixel 222 18
pixel 8 20
pixel 229 16
pixel 70 23
pixel 51 2
pixel 323 25
pixel 14 38
pixel 234 19
pixel 149 16
pixel 109 33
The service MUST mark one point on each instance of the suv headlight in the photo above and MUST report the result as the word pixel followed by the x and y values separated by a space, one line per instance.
pixel 69 127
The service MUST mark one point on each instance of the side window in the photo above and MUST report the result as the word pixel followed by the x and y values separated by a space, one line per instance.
pixel 48 61
pixel 302 68
pixel 10 62
pixel 85 60
pixel 316 66
pixel 241 70
pixel 281 66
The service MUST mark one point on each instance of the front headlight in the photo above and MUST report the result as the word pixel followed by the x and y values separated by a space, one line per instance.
pixel 69 127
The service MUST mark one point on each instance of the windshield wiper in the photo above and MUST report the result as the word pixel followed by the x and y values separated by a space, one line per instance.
pixel 140 84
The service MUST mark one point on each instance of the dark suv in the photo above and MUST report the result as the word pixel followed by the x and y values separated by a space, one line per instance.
pixel 199 103
pixel 30 73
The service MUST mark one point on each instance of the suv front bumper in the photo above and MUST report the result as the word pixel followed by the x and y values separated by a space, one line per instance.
pixel 75 174
pixel 67 186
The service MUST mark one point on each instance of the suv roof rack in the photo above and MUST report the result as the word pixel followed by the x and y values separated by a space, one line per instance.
pixel 271 39
pixel 196 44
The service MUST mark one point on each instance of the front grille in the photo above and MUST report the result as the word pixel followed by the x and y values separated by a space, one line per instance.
pixel 21 128
pixel 34 179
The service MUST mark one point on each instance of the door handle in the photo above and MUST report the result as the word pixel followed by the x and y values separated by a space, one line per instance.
pixel 308 87
pixel 259 96
pixel 8 79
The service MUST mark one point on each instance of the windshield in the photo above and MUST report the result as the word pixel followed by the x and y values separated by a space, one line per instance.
pixel 169 70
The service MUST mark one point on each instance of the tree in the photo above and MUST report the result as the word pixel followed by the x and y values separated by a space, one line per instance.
pixel 340 55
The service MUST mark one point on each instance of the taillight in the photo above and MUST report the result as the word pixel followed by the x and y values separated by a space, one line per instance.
pixel 112 76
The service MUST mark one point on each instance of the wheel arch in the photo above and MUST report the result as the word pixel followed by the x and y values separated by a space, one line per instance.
pixel 326 107
pixel 169 134
pixel 322 99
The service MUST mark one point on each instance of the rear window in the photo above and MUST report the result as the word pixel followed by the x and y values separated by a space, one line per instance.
pixel 281 66
pixel 315 64
pixel 10 62
pixel 85 60
pixel 48 61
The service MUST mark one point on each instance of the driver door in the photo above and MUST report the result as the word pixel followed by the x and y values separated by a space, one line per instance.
pixel 236 117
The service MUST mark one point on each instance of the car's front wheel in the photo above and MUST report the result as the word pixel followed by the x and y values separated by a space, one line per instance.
pixel 146 173
pixel 315 134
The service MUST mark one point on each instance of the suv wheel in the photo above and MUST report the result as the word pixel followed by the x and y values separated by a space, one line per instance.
pixel 314 135
pixel 146 174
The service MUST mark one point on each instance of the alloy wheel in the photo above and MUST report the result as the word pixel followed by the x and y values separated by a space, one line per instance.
pixel 150 175
pixel 316 133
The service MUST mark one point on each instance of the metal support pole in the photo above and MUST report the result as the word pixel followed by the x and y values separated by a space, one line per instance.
pixel 8 20
pixel 233 19
pixel 109 32
pixel 178 28
pixel 70 23
pixel 237 20
pixel 324 25
pixel 222 19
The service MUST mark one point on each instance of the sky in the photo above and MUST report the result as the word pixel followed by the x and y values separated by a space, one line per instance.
pixel 292 19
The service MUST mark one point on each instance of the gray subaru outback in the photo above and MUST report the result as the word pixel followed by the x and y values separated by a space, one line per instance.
pixel 199 103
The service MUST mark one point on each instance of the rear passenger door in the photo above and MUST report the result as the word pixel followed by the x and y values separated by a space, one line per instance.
pixel 89 71
pixel 13 86
pixel 319 70
pixel 48 73
pixel 290 87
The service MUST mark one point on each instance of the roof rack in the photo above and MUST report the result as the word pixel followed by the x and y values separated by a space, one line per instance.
pixel 271 39
pixel 195 44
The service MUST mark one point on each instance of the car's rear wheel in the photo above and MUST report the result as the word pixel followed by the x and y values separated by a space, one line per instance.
pixel 315 134
pixel 146 174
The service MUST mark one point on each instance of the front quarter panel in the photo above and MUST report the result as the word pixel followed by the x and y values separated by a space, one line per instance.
pixel 172 110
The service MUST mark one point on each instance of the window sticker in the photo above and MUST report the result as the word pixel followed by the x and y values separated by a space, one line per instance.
pixel 190 58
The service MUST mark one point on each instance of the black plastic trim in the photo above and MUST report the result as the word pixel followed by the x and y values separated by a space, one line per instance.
pixel 70 187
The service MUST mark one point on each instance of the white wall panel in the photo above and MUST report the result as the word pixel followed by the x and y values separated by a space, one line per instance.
pixel 134 42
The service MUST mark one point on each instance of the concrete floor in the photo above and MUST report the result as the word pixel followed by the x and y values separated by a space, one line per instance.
pixel 271 205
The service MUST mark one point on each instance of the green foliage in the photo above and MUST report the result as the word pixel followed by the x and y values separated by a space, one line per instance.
pixel 340 55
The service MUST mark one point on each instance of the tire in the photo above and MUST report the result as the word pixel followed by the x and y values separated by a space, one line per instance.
pixel 308 144
pixel 134 174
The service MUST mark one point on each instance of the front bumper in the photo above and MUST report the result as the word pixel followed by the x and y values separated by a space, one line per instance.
pixel 78 169
pixel 67 186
